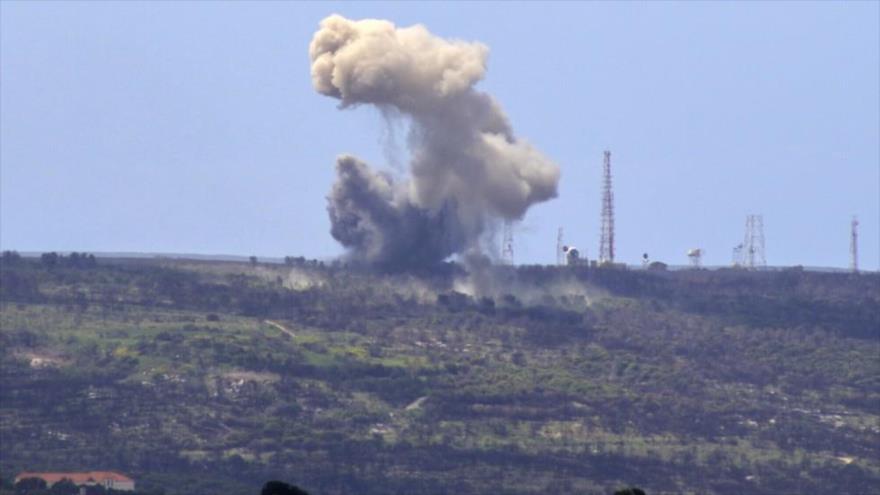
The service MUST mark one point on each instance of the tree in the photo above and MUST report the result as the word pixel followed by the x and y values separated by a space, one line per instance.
pixel 11 258
pixel 73 259
pixel 253 260
pixel 630 491
pixel 64 487
pixel 49 260
pixel 30 485
pixel 95 490
pixel 281 488
pixel 79 260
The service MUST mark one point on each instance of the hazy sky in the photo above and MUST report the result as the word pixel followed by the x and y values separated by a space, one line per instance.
pixel 193 127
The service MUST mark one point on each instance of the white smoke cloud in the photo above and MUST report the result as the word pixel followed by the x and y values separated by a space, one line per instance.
pixel 466 169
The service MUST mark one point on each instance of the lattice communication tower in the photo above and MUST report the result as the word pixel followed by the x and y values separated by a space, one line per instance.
pixel 753 245
pixel 606 241
pixel 737 255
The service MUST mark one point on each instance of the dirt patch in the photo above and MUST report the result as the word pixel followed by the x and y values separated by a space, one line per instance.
pixel 251 376
pixel 42 360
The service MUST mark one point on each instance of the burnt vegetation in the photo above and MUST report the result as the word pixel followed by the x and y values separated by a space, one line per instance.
pixel 206 377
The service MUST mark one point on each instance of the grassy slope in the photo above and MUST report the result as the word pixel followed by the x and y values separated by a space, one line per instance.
pixel 689 382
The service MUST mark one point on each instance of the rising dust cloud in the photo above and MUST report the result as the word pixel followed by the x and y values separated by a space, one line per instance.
pixel 467 168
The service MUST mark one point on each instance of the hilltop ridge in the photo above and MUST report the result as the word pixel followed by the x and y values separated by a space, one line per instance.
pixel 202 376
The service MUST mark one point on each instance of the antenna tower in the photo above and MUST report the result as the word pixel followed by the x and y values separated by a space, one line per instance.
pixel 737 260
pixel 560 250
pixel 507 243
pixel 606 242
pixel 854 245
pixel 753 245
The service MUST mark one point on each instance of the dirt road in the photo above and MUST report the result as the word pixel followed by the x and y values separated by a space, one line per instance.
pixel 281 327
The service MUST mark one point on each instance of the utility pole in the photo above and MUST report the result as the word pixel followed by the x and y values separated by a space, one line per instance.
pixel 507 243
pixel 854 245
pixel 560 250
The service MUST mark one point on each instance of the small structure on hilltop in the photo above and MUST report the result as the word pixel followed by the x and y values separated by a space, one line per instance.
pixel 696 257
pixel 573 256
pixel 107 479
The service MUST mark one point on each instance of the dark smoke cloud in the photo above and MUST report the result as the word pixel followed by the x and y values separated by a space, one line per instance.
pixel 467 168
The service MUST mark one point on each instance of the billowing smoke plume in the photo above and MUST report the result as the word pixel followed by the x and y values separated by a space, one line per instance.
pixel 466 166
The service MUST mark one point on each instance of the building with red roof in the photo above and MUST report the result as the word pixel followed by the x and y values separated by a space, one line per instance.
pixel 107 479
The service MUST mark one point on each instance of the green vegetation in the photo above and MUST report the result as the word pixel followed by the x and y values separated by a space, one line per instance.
pixel 214 377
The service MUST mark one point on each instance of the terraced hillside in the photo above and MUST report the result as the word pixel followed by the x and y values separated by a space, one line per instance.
pixel 213 377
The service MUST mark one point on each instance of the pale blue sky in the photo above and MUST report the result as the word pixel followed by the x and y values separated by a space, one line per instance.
pixel 193 127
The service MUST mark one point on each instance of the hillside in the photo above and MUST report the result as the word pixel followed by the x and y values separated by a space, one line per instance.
pixel 203 377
